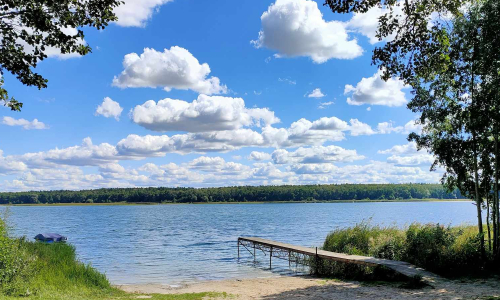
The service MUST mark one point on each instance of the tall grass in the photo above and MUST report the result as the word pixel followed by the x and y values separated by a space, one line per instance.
pixel 448 251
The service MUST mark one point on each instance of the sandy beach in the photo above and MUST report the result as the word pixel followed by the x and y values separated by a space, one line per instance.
pixel 283 288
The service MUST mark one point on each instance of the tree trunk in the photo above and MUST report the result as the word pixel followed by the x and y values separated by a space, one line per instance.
pixel 488 216
pixel 478 198
pixel 496 212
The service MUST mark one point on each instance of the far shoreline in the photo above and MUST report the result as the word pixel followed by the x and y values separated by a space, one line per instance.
pixel 249 202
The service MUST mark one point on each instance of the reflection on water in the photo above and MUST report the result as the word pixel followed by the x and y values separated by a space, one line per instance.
pixel 172 244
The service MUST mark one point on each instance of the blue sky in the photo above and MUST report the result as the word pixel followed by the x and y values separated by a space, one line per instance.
pixel 254 93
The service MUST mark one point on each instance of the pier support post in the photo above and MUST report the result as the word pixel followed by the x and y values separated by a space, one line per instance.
pixel 238 248
pixel 316 262
pixel 270 257
pixel 254 253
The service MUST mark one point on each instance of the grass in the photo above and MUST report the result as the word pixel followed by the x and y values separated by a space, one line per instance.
pixel 120 295
pixel 33 270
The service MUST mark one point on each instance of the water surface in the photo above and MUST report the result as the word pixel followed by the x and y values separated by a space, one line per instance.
pixel 173 244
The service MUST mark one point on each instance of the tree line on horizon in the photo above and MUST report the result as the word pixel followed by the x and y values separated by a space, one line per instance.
pixel 342 192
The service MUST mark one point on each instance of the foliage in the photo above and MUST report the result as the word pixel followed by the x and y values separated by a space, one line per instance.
pixel 447 51
pixel 345 192
pixel 449 251
pixel 30 29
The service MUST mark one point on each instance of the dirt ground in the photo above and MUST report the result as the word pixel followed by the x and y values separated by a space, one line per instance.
pixel 304 288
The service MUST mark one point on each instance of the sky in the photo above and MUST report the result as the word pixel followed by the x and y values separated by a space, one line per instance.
pixel 214 93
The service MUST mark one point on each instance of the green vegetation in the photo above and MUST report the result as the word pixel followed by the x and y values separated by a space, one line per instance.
pixel 343 192
pixel 447 251
pixel 51 271
pixel 452 64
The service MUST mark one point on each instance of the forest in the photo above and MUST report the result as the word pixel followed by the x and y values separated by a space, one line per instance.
pixel 342 192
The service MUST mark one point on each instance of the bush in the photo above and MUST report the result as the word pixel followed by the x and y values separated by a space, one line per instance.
pixel 448 251
pixel 17 265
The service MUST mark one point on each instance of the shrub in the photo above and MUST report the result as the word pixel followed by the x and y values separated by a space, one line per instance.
pixel 449 251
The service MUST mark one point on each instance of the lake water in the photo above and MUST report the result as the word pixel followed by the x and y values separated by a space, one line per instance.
pixel 173 244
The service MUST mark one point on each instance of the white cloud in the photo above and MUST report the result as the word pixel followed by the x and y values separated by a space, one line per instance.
pixel 359 128
pixel 388 127
pixel 413 126
pixel 135 13
pixel 408 155
pixel 316 93
pixel 87 154
pixel 305 132
pixel 323 105
pixel 297 28
pixel 375 91
pixel 259 156
pixel 10 165
pixel 207 113
pixel 315 155
pixel 413 160
pixel 287 80
pixel 220 141
pixel 367 23
pixel 35 124
pixel 171 69
pixel 217 165
pixel 324 168
pixel 409 148
pixel 109 108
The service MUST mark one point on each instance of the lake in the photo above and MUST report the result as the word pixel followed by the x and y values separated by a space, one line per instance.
pixel 174 244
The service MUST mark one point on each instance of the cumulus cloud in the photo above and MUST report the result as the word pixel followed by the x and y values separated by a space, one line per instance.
pixel 220 141
pixel 35 124
pixel 305 132
pixel 408 155
pixel 413 126
pixel 359 128
pixel 217 165
pixel 367 23
pixel 406 149
pixel 206 113
pixel 109 108
pixel 86 154
pixel 315 155
pixel 316 93
pixel 10 165
pixel 388 127
pixel 375 91
pixel 259 156
pixel 297 28
pixel 135 13
pixel 171 69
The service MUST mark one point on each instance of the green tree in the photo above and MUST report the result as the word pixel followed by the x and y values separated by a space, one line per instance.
pixel 29 28
pixel 452 65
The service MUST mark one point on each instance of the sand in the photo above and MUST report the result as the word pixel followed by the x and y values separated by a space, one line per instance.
pixel 304 288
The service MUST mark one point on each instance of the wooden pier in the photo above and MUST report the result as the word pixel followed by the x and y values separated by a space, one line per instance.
pixel 297 254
